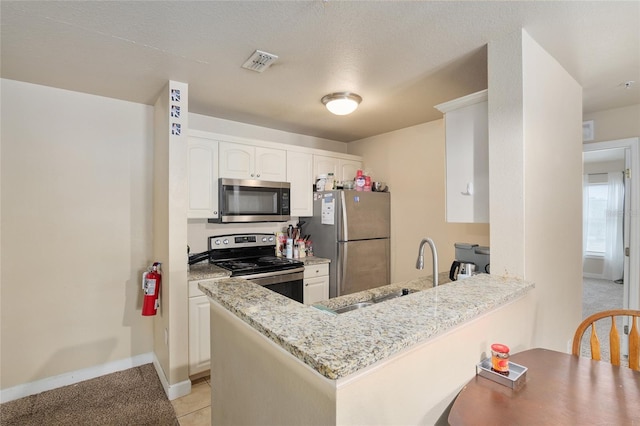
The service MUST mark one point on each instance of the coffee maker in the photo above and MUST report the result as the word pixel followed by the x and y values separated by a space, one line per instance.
pixel 470 259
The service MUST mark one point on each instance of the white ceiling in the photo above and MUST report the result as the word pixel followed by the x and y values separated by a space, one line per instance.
pixel 401 57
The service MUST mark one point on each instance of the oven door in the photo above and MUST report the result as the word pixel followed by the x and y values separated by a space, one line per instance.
pixel 286 283
pixel 253 201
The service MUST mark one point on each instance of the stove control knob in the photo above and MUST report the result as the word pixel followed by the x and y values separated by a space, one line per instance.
pixel 217 242
pixel 225 241
pixel 264 239
pixel 271 239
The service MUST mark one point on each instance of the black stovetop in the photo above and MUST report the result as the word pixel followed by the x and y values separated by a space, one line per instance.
pixel 257 265
pixel 248 254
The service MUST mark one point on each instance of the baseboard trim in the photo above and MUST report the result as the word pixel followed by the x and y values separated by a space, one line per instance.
pixel 596 276
pixel 173 391
pixel 32 388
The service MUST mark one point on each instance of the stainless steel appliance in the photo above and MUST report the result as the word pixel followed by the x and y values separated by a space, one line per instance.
pixel 252 257
pixel 352 229
pixel 470 259
pixel 241 200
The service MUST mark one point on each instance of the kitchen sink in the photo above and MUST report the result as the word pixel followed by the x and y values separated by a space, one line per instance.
pixel 352 307
pixel 373 301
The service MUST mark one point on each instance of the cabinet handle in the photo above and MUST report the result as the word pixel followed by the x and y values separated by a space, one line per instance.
pixel 252 175
pixel 306 285
pixel 469 190
pixel 258 175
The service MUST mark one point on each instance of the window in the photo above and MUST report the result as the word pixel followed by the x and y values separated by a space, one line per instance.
pixel 596 211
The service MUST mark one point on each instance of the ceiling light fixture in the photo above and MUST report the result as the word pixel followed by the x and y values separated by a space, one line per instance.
pixel 341 103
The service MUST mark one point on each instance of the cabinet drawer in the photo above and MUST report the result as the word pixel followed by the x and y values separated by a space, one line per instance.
pixel 316 270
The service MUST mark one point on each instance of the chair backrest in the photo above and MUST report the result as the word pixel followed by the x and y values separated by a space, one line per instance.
pixel 614 337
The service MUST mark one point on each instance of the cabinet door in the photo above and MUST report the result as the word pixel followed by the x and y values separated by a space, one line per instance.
pixel 348 169
pixel 237 161
pixel 325 165
pixel 202 176
pixel 270 164
pixel 199 348
pixel 316 290
pixel 300 175
pixel 467 153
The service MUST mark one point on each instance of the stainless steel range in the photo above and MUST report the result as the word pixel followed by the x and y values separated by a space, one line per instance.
pixel 252 257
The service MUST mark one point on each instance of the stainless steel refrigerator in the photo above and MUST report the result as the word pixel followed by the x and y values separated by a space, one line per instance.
pixel 352 229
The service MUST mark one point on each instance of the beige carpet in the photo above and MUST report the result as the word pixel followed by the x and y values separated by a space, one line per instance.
pixel 130 397
pixel 600 295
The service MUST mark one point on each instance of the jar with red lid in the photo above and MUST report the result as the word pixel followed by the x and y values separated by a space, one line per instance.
pixel 500 358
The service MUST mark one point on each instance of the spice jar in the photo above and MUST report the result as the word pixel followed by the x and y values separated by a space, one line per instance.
pixel 500 358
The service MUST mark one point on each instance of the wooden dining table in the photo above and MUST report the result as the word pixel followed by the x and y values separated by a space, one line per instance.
pixel 560 389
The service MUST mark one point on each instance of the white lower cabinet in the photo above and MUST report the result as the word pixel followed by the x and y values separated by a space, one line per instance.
pixel 316 283
pixel 199 348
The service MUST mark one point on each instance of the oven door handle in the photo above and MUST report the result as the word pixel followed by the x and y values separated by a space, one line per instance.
pixel 268 278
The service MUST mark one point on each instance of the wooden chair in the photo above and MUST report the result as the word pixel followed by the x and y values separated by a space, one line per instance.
pixel 614 337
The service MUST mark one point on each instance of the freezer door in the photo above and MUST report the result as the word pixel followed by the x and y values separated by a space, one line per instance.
pixel 363 215
pixel 362 265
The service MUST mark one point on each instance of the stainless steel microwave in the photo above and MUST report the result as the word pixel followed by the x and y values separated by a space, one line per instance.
pixel 241 200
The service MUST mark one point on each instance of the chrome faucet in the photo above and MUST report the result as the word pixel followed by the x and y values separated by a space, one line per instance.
pixel 434 256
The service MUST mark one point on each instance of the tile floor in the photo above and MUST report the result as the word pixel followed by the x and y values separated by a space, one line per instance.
pixel 195 409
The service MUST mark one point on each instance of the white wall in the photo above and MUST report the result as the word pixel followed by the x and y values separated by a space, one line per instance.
pixel 249 131
pixel 76 230
pixel 617 123
pixel 535 154
pixel 412 163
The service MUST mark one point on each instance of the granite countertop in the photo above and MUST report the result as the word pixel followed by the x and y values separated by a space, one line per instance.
pixel 206 271
pixel 339 345
pixel 312 260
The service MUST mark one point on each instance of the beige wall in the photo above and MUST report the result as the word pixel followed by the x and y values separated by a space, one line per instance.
pixel 617 123
pixel 535 122
pixel 249 131
pixel 170 236
pixel 412 162
pixel 76 231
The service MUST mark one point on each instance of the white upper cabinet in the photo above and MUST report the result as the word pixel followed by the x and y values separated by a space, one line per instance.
pixel 239 161
pixel 202 175
pixel 342 169
pixel 325 165
pixel 467 158
pixel 271 164
pixel 300 175
pixel 348 169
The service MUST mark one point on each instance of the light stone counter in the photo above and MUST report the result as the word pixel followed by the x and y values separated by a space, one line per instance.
pixel 206 271
pixel 312 260
pixel 339 345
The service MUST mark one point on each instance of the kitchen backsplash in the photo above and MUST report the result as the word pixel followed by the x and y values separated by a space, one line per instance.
pixel 198 230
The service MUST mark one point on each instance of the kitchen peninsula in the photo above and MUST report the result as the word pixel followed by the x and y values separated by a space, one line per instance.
pixel 402 361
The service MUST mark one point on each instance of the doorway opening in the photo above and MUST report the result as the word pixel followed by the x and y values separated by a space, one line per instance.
pixel 611 228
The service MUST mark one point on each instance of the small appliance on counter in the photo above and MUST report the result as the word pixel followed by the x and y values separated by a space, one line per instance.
pixel 470 259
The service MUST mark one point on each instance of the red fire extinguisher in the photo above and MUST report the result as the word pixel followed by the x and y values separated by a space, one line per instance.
pixel 151 281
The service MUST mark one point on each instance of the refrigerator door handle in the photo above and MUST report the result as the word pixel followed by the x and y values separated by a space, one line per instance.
pixel 341 270
pixel 343 217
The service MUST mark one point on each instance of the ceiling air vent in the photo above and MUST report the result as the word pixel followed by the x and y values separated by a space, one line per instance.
pixel 260 61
